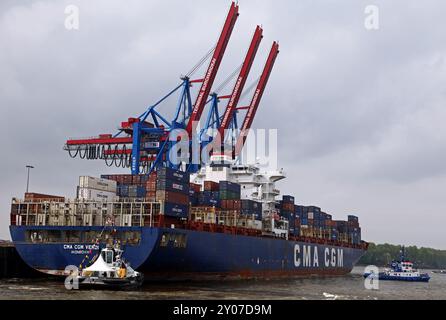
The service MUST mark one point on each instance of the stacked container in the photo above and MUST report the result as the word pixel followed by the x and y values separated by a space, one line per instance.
pixel 211 186
pixel 194 191
pixel 96 189
pixel 354 231
pixel 251 207
pixel 229 190
pixel 287 210
pixel 209 198
pixel 172 189
pixel 129 186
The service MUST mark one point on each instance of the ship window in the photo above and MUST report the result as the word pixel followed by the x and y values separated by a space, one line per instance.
pixel 35 236
pixel 109 256
pixel 164 240
pixel 131 238
pixel 73 236
pixel 180 241
pixel 90 236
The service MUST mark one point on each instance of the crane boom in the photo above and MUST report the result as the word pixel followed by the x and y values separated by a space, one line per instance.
pixel 213 67
pixel 241 80
pixel 252 108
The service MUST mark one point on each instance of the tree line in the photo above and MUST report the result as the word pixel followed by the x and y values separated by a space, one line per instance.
pixel 382 254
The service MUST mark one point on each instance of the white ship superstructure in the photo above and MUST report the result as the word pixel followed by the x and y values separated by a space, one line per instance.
pixel 256 184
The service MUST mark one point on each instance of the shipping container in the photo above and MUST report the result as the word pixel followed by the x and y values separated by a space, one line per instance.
pixel 195 187
pixel 87 194
pixel 175 210
pixel 151 196
pixel 211 186
pixel 172 197
pixel 97 183
pixel 288 199
pixel 172 185
pixel 229 186
pixel 165 173
pixel 123 191
pixel 136 191
pixel 314 209
pixel 37 197
pixel 229 195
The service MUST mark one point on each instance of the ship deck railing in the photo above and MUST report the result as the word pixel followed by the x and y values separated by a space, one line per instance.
pixel 143 213
pixel 84 213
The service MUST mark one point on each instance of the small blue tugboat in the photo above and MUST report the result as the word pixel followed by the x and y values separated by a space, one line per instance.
pixel 402 270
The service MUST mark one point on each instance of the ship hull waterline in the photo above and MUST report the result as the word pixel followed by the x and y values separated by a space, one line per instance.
pixel 179 254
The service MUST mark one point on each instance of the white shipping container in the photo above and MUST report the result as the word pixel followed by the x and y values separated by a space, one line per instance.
pixel 310 215
pixel 97 184
pixel 96 195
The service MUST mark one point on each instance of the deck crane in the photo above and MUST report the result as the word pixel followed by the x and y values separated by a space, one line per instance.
pixel 255 101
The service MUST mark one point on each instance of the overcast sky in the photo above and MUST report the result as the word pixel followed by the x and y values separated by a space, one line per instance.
pixel 360 112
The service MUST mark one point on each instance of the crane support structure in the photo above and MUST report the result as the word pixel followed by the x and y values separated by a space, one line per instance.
pixel 258 93
pixel 152 140
pixel 241 80
pixel 212 70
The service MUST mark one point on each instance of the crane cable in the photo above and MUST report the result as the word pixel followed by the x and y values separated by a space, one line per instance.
pixel 201 62
pixel 228 79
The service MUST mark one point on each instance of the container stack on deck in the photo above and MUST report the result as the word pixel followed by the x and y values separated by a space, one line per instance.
pixel 96 189
pixel 215 202
pixel 212 202
pixel 311 221
pixel 128 186
pixel 172 189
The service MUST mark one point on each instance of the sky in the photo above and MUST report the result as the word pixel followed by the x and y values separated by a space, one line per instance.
pixel 360 112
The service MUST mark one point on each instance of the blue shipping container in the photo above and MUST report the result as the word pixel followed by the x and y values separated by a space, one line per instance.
pixel 176 210
pixel 164 173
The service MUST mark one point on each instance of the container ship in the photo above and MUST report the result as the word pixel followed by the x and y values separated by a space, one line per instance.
pixel 176 219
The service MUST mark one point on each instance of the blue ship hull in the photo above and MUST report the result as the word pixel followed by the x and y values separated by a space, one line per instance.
pixel 178 254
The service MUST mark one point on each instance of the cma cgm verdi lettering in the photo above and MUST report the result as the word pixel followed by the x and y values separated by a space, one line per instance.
pixel 217 231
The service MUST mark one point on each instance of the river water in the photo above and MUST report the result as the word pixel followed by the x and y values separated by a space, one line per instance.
pixel 350 286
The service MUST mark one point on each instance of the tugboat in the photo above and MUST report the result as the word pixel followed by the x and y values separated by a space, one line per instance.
pixel 400 271
pixel 110 271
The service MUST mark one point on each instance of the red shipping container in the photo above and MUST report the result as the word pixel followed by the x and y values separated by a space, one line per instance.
pixel 288 207
pixel 151 185
pixel 237 204
pixel 211 186
pixel 227 204
pixel 152 176
pixel 172 197
pixel 151 196
pixel 195 187
pixel 31 196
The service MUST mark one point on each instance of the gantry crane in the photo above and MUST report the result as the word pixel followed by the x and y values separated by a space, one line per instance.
pixel 144 143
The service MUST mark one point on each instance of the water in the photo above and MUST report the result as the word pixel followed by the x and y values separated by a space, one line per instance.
pixel 350 286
